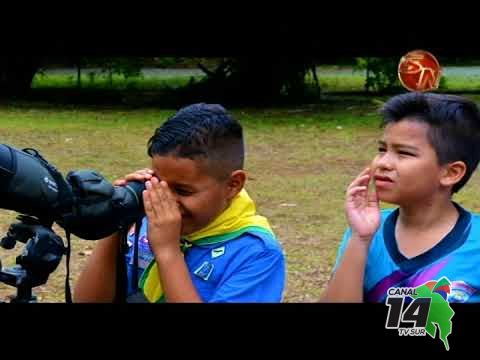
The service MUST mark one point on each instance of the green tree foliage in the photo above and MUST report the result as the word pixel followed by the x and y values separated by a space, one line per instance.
pixel 260 79
pixel 381 73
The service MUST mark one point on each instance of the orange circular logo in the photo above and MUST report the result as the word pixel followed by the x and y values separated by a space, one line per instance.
pixel 419 70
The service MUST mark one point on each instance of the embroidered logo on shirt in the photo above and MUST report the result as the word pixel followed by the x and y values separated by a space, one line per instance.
pixel 131 232
pixel 218 252
pixel 460 292
pixel 204 271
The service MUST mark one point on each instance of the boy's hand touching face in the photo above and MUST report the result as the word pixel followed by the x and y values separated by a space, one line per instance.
pixel 164 217
pixel 362 208
pixel 139 175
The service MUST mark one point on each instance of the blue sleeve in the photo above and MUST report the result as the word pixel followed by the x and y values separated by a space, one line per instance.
pixel 260 278
pixel 342 247
pixel 131 289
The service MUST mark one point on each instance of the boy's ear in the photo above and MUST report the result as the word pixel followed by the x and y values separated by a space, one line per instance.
pixel 235 183
pixel 453 173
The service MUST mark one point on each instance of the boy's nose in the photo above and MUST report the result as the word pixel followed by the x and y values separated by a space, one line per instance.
pixel 383 162
pixel 181 208
pixel 176 197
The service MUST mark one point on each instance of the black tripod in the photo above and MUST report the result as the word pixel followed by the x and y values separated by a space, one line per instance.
pixel 40 256
pixel 18 277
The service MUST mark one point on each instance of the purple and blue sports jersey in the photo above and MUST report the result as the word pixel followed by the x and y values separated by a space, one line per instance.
pixel 456 256
pixel 250 268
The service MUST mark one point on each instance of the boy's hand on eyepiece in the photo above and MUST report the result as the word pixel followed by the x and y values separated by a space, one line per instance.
pixel 362 207
pixel 139 175
pixel 164 217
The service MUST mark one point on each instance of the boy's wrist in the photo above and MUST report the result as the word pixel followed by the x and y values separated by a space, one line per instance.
pixel 165 254
pixel 361 240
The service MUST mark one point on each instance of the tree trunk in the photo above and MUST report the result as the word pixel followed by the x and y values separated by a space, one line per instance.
pixel 79 75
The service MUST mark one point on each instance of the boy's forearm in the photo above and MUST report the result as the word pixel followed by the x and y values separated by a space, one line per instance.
pixel 346 284
pixel 96 282
pixel 175 278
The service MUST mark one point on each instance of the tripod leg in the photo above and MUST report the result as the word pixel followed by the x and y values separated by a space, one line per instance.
pixel 24 295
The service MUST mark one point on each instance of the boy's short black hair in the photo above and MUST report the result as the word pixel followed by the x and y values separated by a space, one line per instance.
pixel 202 131
pixel 454 125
